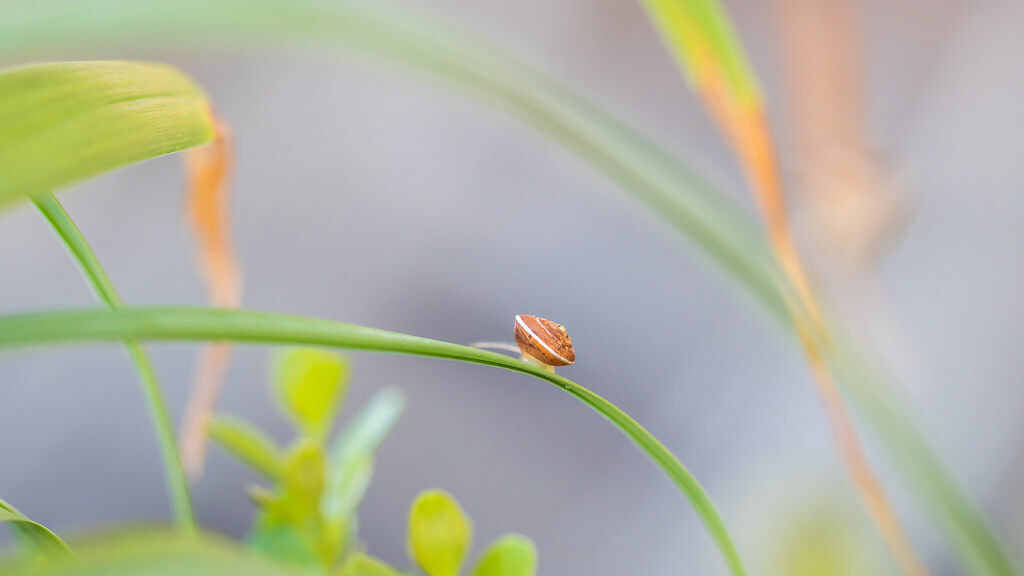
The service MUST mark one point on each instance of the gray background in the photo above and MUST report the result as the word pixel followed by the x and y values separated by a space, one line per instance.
pixel 368 196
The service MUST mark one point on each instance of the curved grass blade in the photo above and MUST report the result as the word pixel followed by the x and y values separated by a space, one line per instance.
pixel 244 326
pixel 651 175
pixel 61 123
pixel 248 444
pixel 34 534
pixel 75 242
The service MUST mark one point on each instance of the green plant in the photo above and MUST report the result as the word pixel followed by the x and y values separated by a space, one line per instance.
pixel 41 148
pixel 308 516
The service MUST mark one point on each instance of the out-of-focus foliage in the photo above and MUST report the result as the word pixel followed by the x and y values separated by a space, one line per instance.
pixel 248 443
pixel 824 537
pixel 309 385
pixel 363 565
pixel 440 534
pixel 149 553
pixel 510 555
pixel 67 121
pixel 307 517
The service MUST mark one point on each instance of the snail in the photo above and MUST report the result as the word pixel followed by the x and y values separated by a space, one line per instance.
pixel 539 340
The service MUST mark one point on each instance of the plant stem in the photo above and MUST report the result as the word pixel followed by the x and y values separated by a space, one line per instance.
pixel 75 242
pixel 209 324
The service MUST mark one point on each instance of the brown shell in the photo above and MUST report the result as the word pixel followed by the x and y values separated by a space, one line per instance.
pixel 544 340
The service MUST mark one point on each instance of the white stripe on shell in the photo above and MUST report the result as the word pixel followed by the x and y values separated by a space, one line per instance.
pixel 539 341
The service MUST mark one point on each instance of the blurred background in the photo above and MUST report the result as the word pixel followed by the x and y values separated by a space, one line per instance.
pixel 364 194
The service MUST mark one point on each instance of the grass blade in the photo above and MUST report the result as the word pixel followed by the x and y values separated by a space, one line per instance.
pixel 244 326
pixel 67 121
pixel 76 244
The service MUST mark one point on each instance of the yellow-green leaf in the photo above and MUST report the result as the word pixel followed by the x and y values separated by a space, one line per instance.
pixel 351 464
pixel 363 565
pixel 247 443
pixel 134 553
pixel 64 122
pixel 439 533
pixel 310 385
pixel 510 555
pixel 303 475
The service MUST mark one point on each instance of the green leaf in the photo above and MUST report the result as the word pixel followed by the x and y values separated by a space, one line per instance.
pixel 439 533
pixel 510 555
pixel 284 542
pixel 310 385
pixel 302 475
pixel 66 122
pixel 209 324
pixel 247 443
pixel 347 489
pixel 38 537
pixel 163 554
pixel 363 565
pixel 352 454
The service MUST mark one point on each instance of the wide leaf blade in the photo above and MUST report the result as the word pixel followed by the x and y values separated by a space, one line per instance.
pixel 64 122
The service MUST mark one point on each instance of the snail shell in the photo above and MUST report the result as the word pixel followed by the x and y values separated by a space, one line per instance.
pixel 544 341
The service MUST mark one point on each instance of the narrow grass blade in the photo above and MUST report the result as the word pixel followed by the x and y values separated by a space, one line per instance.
pixel 244 326
pixel 68 121
pixel 34 534
pixel 75 242
pixel 248 444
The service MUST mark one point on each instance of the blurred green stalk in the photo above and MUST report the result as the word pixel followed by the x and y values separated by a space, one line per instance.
pixel 75 242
